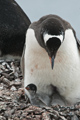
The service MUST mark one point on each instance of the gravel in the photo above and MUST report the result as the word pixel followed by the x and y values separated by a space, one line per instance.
pixel 13 105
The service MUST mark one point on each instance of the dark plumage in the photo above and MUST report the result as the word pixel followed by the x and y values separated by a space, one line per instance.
pixel 13 25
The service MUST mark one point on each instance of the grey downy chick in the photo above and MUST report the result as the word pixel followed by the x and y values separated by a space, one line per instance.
pixel 37 99
pixel 57 99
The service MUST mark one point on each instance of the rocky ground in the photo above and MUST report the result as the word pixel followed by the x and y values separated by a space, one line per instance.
pixel 13 105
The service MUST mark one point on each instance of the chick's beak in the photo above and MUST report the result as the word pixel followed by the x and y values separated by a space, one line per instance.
pixel 27 88
pixel 52 61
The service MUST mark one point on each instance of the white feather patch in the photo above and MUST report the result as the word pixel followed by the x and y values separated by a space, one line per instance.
pixel 47 37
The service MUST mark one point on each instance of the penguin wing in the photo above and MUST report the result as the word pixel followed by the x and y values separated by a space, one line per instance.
pixel 67 26
pixel 78 43
pixel 77 40
pixel 22 61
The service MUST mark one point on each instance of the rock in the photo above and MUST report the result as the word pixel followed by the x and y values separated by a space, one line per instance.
pixel 2 118
pixel 2 108
pixel 1 87
pixel 13 105
pixel 74 118
pixel 13 88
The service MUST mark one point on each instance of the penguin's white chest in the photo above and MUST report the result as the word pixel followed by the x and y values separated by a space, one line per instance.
pixel 65 74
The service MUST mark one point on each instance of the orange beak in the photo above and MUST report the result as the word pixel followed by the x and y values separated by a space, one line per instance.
pixel 27 88
pixel 52 61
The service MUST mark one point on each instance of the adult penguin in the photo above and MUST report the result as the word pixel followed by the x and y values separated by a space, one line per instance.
pixel 13 25
pixel 54 38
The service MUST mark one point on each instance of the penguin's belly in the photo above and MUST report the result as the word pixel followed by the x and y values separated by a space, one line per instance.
pixel 38 71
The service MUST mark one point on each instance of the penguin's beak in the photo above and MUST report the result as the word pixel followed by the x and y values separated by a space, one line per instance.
pixel 52 61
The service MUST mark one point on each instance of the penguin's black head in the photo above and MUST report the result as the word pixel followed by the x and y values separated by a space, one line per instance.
pixel 31 87
pixel 52 36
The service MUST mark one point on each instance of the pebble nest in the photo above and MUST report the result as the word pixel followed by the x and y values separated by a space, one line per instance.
pixel 13 105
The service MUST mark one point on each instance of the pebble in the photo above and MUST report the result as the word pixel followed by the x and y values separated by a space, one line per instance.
pixel 7 98
pixel 13 88
pixel 74 118
pixel 17 80
pixel 1 87
pixel 2 118
pixel 2 108
pixel 19 109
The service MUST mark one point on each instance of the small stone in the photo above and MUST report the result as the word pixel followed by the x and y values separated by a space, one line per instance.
pixel 8 93
pixel 16 118
pixel 13 88
pixel 72 108
pixel 22 107
pixel 6 81
pixel 70 114
pixel 2 118
pixel 7 98
pixel 74 118
pixel 1 87
pixel 17 80
pixel 45 116
pixel 16 74
pixel 2 108
pixel 12 111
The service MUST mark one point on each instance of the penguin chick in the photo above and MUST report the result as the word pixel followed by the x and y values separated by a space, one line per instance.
pixel 36 99
pixel 57 99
